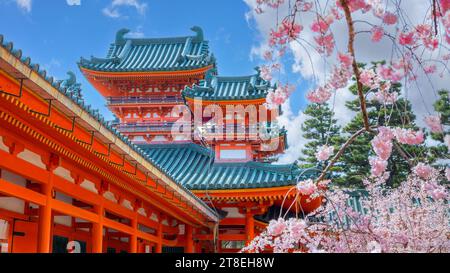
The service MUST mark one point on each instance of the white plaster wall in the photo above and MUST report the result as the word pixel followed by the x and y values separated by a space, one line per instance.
pixel 32 158
pixel 110 196
pixel 3 146
pixel 64 173
pixel 233 213
pixel 89 185
pixel 63 220
pixel 12 203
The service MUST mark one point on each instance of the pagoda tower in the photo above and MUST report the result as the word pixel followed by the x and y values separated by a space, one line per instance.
pixel 142 80
pixel 224 161
pixel 249 130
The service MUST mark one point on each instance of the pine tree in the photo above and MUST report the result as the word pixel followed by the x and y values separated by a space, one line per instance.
pixel 355 160
pixel 319 129
pixel 442 107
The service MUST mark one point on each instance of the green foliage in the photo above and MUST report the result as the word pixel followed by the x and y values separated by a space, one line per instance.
pixel 442 107
pixel 355 160
pixel 319 129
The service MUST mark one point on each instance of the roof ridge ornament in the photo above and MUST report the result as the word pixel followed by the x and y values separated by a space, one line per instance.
pixel 73 89
pixel 120 35
pixel 199 31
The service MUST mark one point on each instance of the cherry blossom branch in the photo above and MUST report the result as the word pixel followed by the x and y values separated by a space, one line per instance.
pixel 403 154
pixel 351 50
pixel 340 152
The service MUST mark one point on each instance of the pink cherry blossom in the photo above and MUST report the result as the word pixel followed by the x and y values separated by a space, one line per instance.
pixel 379 227
pixel 324 152
pixel 430 69
pixel 410 137
pixel 431 43
pixel 278 96
pixel 307 187
pixel 286 32
pixel 385 72
pixel 385 133
pixel 339 78
pixel 378 166
pixel 268 55
pixel 266 73
pixel 377 33
pixel 382 146
pixel 276 227
pixel 434 122
pixel 386 98
pixel 320 95
pixel 369 79
pixel 325 43
pixel 391 219
pixel 389 18
pixel 345 59
pixel 423 30
pixel 445 6
pixel 407 38
pixel 320 25
pixel 435 191
pixel 423 171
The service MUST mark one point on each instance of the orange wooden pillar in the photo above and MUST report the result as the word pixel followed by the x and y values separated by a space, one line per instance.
pixel 159 233
pixel 189 248
pixel 198 247
pixel 133 237
pixel 97 232
pixel 45 217
pixel 249 226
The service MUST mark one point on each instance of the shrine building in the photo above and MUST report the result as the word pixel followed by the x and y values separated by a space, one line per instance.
pixel 159 178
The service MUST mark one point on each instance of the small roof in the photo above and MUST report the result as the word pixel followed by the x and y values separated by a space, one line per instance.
pixel 229 88
pixel 193 166
pixel 153 54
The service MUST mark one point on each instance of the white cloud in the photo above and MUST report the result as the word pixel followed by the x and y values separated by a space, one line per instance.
pixel 24 5
pixel 73 2
pixel 138 33
pixel 113 13
pixel 113 9
pixel 313 67
pixel 292 122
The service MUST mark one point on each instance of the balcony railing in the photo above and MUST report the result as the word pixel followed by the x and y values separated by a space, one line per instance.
pixel 140 100
pixel 147 127
pixel 207 130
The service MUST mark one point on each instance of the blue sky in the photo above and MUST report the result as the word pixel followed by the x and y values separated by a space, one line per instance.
pixel 56 34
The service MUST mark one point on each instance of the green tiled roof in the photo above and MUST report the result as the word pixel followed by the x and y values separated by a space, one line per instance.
pixel 192 166
pixel 154 54
pixel 69 88
pixel 229 88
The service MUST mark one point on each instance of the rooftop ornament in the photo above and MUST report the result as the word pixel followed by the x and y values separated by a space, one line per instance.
pixel 73 88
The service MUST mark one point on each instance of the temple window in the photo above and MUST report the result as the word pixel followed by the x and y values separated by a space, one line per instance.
pixel 233 154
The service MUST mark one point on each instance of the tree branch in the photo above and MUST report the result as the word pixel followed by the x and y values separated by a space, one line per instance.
pixel 403 154
pixel 351 50
pixel 339 153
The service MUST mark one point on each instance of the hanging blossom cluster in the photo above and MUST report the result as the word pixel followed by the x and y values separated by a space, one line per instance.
pixel 411 218
pixel 278 95
pixel 339 79
pixel 434 123
pixel 381 78
pixel 324 152
pixel 382 146
pixel 415 39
